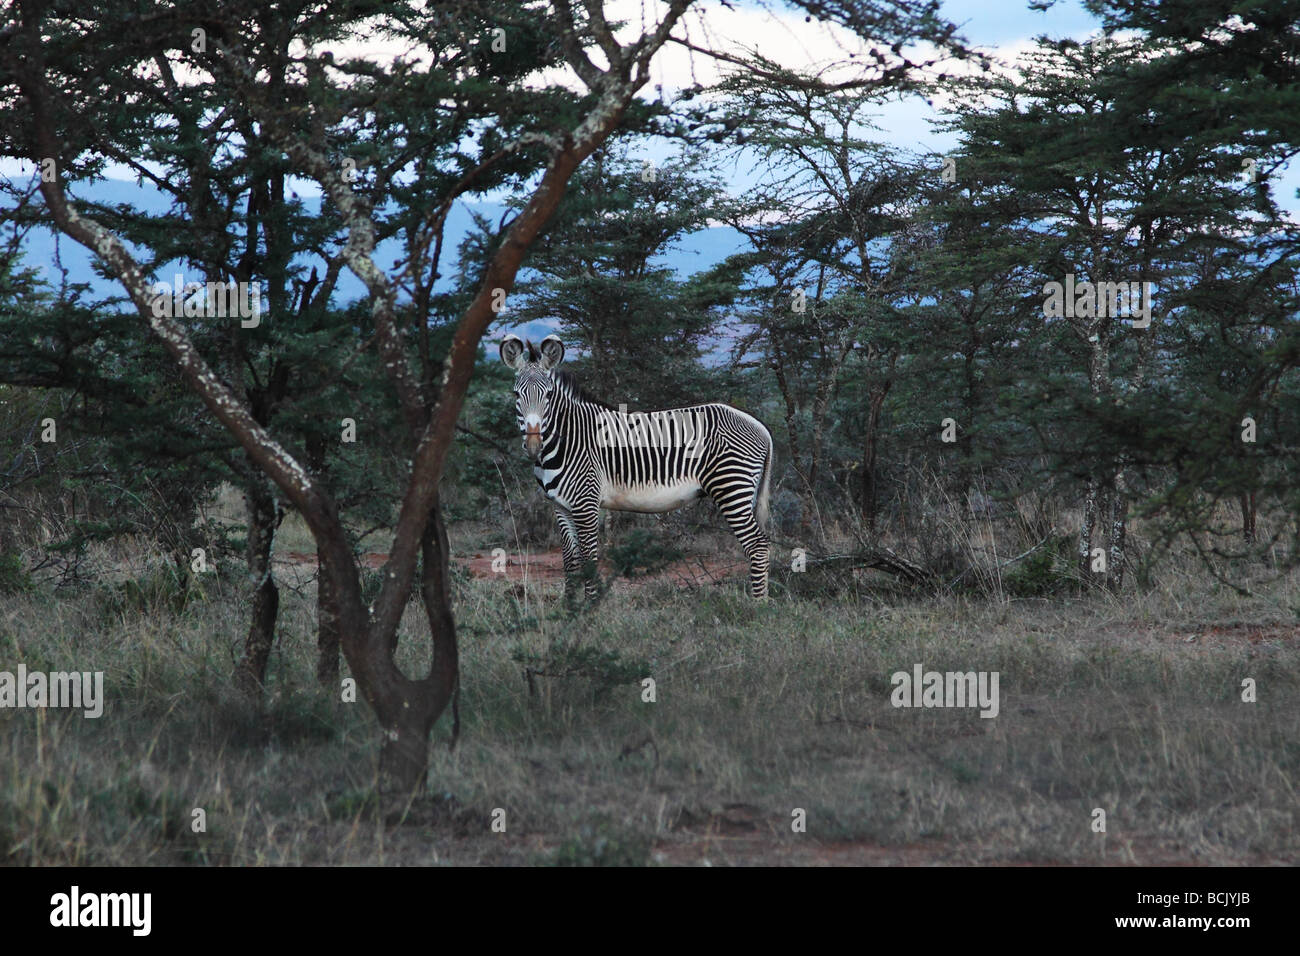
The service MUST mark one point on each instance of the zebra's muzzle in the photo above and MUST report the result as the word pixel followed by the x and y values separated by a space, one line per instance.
pixel 533 442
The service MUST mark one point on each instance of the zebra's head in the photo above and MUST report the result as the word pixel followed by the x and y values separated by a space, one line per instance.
pixel 534 386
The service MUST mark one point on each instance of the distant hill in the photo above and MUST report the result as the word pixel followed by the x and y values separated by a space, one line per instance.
pixel 696 252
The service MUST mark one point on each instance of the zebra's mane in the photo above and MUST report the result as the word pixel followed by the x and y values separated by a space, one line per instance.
pixel 568 383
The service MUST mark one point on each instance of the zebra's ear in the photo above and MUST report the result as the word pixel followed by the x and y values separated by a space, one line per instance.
pixel 512 351
pixel 552 352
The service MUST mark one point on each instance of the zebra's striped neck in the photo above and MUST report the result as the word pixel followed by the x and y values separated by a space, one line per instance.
pixel 567 387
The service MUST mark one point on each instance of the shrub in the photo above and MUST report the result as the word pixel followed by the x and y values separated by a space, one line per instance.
pixel 605 668
pixel 13 574
pixel 161 589
pixel 642 551
pixel 600 846
pixel 1047 571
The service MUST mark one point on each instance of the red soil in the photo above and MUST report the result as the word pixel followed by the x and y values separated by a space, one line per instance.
pixel 549 566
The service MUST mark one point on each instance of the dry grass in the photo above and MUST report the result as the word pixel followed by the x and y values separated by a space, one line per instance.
pixel 1130 704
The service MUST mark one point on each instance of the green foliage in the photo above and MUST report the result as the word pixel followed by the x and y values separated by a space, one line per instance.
pixel 1048 571
pixel 160 590
pixel 13 574
pixel 599 845
pixel 604 668
pixel 349 805
pixel 372 582
pixel 642 551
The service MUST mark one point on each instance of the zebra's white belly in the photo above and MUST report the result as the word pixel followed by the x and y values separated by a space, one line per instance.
pixel 651 499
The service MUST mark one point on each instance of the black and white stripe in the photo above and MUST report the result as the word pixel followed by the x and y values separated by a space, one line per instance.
pixel 587 456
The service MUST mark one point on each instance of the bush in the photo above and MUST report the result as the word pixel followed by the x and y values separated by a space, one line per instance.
pixel 642 551
pixel 605 668
pixel 161 589
pixel 13 574
pixel 600 846
pixel 1047 571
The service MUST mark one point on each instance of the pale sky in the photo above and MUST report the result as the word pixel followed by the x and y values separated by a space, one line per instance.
pixel 1001 28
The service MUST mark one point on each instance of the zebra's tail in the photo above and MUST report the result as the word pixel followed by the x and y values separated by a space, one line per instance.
pixel 764 491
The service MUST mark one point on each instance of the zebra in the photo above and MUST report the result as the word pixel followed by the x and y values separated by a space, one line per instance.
pixel 588 455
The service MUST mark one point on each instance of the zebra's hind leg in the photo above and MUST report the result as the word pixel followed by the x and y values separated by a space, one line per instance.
pixel 738 509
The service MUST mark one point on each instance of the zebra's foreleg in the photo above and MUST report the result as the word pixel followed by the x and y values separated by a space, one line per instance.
pixel 572 555
pixel 587 522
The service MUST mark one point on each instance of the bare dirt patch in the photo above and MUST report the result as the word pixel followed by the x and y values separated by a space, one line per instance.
pixel 519 568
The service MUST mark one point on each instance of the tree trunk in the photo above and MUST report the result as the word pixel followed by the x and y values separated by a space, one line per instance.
pixel 263 518
pixel 1085 529
pixel 870 487
pixel 327 611
pixel 1099 385
pixel 435 591
pixel 1118 531
pixel 966 429
pixel 327 628
pixel 791 418
pixel 1248 512
pixel 404 755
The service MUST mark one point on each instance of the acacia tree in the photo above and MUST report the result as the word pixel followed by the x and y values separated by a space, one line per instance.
pixel 311 114
pixel 825 221
pixel 1105 196
pixel 1228 82
pixel 221 214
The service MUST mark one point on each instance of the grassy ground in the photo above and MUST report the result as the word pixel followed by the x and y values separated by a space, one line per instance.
pixel 1131 705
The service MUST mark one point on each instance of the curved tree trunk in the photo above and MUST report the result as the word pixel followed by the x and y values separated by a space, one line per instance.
pixel 263 517
pixel 404 755
pixel 327 628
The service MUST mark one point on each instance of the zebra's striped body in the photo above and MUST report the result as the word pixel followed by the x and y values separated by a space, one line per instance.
pixel 587 456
